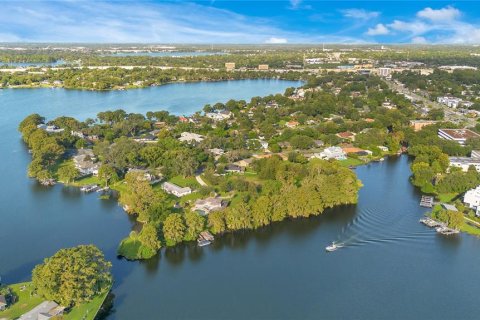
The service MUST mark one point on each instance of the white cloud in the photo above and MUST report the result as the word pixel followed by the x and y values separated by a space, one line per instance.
pixel 379 29
pixel 83 21
pixel 439 15
pixel 360 14
pixel 274 40
pixel 413 27
pixel 419 40
pixel 295 3
pixel 437 26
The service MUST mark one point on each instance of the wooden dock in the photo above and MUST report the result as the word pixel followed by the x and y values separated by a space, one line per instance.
pixel 426 201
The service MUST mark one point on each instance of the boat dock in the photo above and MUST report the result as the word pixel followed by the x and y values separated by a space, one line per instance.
pixel 205 238
pixel 89 188
pixel 426 201
pixel 440 227
pixel 446 231
pixel 429 222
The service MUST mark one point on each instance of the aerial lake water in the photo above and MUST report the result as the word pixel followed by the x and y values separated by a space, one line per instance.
pixel 392 267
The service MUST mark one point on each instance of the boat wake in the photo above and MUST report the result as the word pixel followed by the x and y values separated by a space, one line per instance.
pixel 375 226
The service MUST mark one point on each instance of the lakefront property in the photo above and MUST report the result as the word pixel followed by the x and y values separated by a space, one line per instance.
pixel 182 160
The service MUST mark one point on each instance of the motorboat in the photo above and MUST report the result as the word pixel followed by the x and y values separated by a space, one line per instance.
pixel 334 246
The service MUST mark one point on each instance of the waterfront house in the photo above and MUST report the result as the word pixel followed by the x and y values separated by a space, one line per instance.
pixel 3 303
pixel 205 206
pixel 171 188
pixel 50 129
pixel 331 153
pixel 44 311
pixel 472 199
pixel 84 162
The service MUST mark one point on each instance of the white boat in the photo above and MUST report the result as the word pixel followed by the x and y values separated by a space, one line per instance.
pixel 334 246
pixel 203 242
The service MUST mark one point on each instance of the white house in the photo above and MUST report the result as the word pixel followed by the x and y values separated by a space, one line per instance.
pixel 219 116
pixel 205 206
pixel 190 137
pixel 472 199
pixel 331 153
pixel 84 162
pixel 171 188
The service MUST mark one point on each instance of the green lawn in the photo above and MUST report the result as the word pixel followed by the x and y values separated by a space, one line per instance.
pixel 86 180
pixel 351 162
pixel 184 182
pixel 25 301
pixel 133 249
pixel 87 311
pixel 446 197
pixel 470 229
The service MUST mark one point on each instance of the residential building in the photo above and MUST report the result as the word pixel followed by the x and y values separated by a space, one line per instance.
pixel 244 163
pixel 44 311
pixel 190 137
pixel 451 102
pixel 472 199
pixel 205 206
pixel 346 135
pixel 475 154
pixel 84 161
pixel 234 168
pixel 464 163
pixel 217 152
pixel 418 125
pixel 458 135
pixel 3 303
pixel 50 129
pixel 219 116
pixel 263 67
pixel 385 72
pixel 171 188
pixel 331 153
pixel 383 148
pixel 230 66
pixel 291 124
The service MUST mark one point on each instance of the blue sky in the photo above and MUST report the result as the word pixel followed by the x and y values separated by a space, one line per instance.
pixel 226 21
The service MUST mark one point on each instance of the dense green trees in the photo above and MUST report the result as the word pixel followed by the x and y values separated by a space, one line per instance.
pixel 174 229
pixel 73 276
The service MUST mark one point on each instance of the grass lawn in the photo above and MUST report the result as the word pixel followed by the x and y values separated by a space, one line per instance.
pixel 351 162
pixel 184 182
pixel 25 301
pixel 86 180
pixel 446 197
pixel 133 249
pixel 470 229
pixel 87 311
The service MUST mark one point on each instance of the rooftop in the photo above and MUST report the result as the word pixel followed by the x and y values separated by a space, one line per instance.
pixel 460 133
